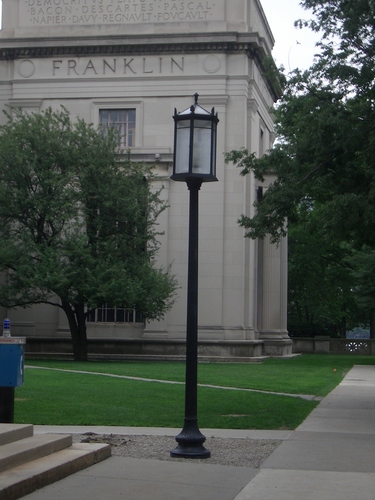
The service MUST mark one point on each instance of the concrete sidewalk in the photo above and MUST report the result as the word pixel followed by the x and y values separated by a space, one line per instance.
pixel 330 456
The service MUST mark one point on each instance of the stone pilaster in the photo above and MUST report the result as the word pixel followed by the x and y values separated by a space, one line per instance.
pixel 273 297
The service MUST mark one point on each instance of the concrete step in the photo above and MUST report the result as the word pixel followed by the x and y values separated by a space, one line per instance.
pixel 14 432
pixel 31 448
pixel 26 478
pixel 29 462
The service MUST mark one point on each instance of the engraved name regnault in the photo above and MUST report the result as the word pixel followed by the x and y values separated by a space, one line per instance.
pixel 91 12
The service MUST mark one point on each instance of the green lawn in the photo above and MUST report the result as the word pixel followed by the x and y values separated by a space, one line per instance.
pixel 65 398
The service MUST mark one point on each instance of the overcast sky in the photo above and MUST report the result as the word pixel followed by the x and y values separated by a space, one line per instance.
pixel 293 47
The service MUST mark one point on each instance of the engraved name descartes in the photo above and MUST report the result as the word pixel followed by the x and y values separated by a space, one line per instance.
pixel 91 12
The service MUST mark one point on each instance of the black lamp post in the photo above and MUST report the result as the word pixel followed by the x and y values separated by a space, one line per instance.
pixel 194 162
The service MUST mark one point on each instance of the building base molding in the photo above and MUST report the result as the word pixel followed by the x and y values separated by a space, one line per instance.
pixel 275 348
pixel 156 349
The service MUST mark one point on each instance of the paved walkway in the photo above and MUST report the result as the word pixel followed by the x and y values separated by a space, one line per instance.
pixel 331 456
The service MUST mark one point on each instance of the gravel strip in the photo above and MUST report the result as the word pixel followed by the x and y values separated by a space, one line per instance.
pixel 244 452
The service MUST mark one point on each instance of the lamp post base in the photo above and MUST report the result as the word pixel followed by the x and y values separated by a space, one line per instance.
pixel 190 442
pixel 190 452
pixel 7 405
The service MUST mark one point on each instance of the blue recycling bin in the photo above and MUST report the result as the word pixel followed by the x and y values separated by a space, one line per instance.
pixel 12 361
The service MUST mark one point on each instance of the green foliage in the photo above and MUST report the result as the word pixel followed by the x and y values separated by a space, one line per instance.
pixel 321 282
pixel 76 222
pixel 363 263
pixel 275 77
pixel 325 126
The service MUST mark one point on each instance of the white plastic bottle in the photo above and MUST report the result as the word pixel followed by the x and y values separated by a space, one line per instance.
pixel 6 327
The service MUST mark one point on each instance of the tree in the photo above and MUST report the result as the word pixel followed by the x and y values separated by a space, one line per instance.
pixel 363 265
pixel 76 223
pixel 320 283
pixel 325 122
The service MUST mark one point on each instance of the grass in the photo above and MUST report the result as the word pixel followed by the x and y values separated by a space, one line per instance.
pixel 308 374
pixel 66 398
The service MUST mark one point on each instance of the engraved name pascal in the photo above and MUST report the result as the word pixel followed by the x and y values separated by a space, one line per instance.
pixel 116 66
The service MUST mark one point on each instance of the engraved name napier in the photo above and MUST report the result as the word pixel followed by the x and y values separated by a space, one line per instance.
pixel 88 12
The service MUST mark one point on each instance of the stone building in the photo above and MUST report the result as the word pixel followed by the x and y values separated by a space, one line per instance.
pixel 132 62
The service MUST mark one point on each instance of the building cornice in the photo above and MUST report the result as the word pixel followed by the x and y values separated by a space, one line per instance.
pixel 120 45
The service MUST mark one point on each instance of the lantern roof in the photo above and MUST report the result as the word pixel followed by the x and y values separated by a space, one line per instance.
pixel 196 109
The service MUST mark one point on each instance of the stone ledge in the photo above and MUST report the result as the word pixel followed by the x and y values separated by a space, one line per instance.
pixel 159 349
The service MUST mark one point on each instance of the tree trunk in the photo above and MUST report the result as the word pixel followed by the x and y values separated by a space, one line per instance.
pixel 342 328
pixel 372 324
pixel 77 324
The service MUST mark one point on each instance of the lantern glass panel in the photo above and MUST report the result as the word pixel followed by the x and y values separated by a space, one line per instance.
pixel 182 147
pixel 214 139
pixel 202 147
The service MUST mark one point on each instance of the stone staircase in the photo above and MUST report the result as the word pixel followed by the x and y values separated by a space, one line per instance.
pixel 29 462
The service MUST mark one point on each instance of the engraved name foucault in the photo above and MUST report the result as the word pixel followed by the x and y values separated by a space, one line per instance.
pixel 47 12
